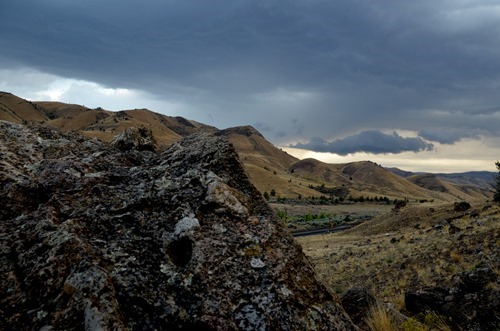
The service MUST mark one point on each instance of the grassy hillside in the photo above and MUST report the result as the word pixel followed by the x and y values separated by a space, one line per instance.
pixel 17 110
pixel 96 122
pixel 369 179
pixel 268 166
pixel 423 244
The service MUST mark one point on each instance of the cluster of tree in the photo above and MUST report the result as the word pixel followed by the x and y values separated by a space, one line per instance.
pixel 311 217
pixel 306 217
pixel 370 199
pixel 268 196
pixel 324 200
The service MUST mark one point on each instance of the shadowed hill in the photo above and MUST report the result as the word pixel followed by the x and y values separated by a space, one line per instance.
pixel 467 185
pixel 435 183
pixel 480 179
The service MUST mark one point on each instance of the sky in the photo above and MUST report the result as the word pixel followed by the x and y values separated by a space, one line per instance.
pixel 411 84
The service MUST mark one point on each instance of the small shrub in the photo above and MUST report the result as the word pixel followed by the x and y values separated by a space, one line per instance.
pixel 338 289
pixel 425 322
pixel 379 319
pixel 281 214
pixel 456 256
pixel 412 324
pixel 435 322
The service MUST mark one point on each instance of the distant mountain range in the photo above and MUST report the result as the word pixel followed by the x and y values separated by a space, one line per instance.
pixel 468 182
pixel 475 178
pixel 269 168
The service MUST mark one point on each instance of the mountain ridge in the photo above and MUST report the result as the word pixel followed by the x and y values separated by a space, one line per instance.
pixel 270 168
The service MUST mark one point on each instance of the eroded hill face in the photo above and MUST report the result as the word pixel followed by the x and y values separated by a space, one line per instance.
pixel 95 236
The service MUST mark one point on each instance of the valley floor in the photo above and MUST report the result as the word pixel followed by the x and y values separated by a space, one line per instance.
pixel 300 217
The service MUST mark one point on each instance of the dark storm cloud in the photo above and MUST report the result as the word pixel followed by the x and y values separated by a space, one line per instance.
pixel 333 66
pixel 374 142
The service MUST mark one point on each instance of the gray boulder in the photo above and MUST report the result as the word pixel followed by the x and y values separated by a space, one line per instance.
pixel 96 238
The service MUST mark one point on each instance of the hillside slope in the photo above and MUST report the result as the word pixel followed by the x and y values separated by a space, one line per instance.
pixel 267 165
pixel 17 110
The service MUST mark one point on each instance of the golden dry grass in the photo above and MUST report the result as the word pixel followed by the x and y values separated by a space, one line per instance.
pixel 412 245
pixel 369 179
pixel 379 319
pixel 16 109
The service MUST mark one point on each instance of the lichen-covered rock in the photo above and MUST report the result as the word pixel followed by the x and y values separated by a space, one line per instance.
pixel 96 237
pixel 137 138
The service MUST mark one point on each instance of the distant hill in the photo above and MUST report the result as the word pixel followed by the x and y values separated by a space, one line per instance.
pixel 269 168
pixel 369 179
pixel 472 184
pixel 400 172
pixel 482 179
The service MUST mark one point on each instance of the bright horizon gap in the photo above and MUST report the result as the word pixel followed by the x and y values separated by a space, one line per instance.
pixel 416 164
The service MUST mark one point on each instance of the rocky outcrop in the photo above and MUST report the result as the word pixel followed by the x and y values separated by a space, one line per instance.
pixel 95 237
pixel 135 138
pixel 461 206
pixel 471 304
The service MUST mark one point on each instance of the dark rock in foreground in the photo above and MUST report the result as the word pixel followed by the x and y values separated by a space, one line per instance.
pixel 471 304
pixel 95 237
pixel 357 302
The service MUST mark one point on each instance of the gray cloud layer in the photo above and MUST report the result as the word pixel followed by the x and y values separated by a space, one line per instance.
pixel 295 69
pixel 374 142
pixel 446 137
